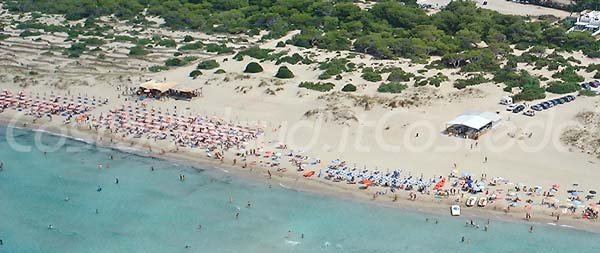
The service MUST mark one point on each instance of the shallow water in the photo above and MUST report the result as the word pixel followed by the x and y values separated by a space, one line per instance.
pixel 152 211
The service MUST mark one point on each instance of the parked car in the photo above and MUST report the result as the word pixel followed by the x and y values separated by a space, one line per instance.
pixel 586 86
pixel 593 84
pixel 529 113
pixel 537 107
pixel 511 107
pixel 518 109
pixel 597 82
pixel 545 105
pixel 569 98
pixel 562 100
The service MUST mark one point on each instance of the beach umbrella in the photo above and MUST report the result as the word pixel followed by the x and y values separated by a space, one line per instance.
pixel 573 193
pixel 576 202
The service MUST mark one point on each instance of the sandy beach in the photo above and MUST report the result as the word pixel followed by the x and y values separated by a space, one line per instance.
pixel 366 129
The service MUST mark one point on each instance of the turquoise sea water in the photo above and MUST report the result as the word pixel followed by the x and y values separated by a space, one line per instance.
pixel 152 211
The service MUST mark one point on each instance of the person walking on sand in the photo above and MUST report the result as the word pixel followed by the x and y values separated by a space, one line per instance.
pixel 485 159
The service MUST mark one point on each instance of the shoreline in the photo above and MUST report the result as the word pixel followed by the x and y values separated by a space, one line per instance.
pixel 294 181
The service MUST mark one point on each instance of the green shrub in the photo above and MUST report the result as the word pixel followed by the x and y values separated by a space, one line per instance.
pixel 193 46
pixel 294 59
pixel 587 93
pixel 280 44
pixel 220 71
pixel 391 87
pixel 568 74
pixel 93 41
pixel 28 33
pixel 158 68
pixel 167 43
pixel 474 80
pixel 208 64
pixel 531 90
pixel 322 87
pixel 188 38
pixel 177 62
pixel 195 73
pixel 437 79
pixel 558 87
pixel 138 51
pixel 349 88
pixel 370 75
pixel 219 49
pixel 253 67
pixel 597 75
pixel 4 36
pixel 284 72
pixel 399 75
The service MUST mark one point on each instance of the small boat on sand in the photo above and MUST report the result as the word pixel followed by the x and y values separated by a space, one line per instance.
pixel 455 210
pixel 309 173
pixel 471 201
pixel 482 202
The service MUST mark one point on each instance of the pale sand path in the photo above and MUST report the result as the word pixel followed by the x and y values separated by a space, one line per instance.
pixel 508 7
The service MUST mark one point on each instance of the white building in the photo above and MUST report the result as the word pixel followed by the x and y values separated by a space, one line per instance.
pixel 588 21
pixel 472 124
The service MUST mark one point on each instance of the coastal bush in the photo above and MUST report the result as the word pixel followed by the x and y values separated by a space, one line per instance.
pixel 349 88
pixel 4 36
pixel 218 48
pixel 437 79
pixel 28 33
pixel 75 50
pixel 254 52
pixel 157 68
pixel 294 59
pixel 138 51
pixel 399 75
pixel 280 44
pixel 391 87
pixel 93 41
pixel 177 62
pixel 253 67
pixel 220 71
pixel 167 43
pixel 193 46
pixel 284 72
pixel 195 73
pixel 473 80
pixel 568 74
pixel 370 75
pixel 208 64
pixel 322 87
pixel 188 38
pixel 597 75
pixel 587 93
pixel 333 67
pixel 558 87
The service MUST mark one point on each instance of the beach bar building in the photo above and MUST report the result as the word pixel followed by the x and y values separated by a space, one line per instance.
pixel 185 92
pixel 472 124
pixel 155 89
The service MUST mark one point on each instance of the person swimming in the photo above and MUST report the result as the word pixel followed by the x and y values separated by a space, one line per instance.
pixel 117 180
pixel 99 189
pixel 50 227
